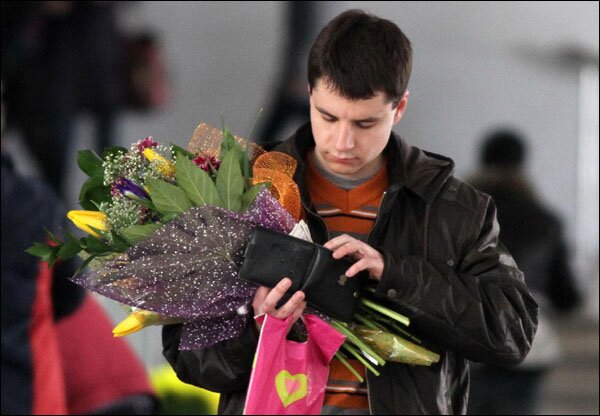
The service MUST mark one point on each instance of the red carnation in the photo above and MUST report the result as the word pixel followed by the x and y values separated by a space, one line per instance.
pixel 207 162
pixel 146 143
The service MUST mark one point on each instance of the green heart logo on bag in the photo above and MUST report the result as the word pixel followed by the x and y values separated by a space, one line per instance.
pixel 291 388
pixel 279 383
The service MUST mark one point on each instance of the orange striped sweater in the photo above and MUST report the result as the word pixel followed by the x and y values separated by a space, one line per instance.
pixel 350 212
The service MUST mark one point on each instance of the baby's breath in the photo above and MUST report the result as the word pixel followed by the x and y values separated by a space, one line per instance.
pixel 122 213
pixel 113 167
pixel 134 166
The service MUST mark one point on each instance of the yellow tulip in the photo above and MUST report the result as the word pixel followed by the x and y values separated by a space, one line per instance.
pixel 166 167
pixel 140 319
pixel 86 219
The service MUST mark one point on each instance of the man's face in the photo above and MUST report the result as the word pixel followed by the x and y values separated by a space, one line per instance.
pixel 350 135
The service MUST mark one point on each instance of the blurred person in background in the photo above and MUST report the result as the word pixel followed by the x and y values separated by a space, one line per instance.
pixel 290 102
pixel 58 354
pixel 103 375
pixel 60 59
pixel 33 298
pixel 534 236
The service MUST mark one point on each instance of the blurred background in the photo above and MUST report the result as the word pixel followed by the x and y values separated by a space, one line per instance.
pixel 477 66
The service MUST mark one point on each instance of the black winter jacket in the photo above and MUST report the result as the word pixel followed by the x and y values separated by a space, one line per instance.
pixel 444 268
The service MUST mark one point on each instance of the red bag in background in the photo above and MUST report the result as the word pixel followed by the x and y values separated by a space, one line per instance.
pixel 290 377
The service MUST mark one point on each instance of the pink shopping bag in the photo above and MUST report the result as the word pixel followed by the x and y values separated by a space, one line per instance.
pixel 290 377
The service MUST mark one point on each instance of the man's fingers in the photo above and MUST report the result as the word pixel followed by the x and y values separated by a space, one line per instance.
pixel 259 297
pixel 337 242
pixel 353 248
pixel 359 266
pixel 374 266
pixel 298 312
pixel 270 302
pixel 290 306
pixel 261 294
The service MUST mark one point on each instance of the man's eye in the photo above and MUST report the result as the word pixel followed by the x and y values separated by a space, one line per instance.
pixel 329 120
pixel 365 125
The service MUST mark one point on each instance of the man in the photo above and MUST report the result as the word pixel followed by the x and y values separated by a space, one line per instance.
pixel 534 235
pixel 429 240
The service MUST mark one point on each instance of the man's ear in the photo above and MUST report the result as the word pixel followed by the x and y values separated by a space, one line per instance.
pixel 401 107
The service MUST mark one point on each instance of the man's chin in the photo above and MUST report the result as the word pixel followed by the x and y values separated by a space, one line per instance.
pixel 346 172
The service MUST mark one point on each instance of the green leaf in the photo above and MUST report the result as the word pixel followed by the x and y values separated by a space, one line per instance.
pixel 166 197
pixel 46 252
pixel 176 149
pixel 84 264
pixel 168 217
pixel 119 244
pixel 227 143
pixel 196 183
pixel 142 201
pixel 42 250
pixel 95 245
pixel 230 145
pixel 52 237
pixel 245 164
pixel 69 249
pixel 135 233
pixel 90 163
pixel 250 195
pixel 240 155
pixel 93 192
pixel 230 183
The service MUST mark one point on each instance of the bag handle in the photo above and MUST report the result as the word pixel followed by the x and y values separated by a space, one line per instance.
pixel 324 336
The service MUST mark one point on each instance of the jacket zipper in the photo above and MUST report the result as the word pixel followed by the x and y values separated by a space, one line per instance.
pixel 377 217
pixel 319 219
pixel 368 242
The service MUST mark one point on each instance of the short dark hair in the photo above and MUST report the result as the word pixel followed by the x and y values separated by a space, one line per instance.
pixel 359 55
pixel 503 147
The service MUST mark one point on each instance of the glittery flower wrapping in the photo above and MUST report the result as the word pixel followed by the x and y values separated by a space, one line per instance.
pixel 189 269
pixel 267 212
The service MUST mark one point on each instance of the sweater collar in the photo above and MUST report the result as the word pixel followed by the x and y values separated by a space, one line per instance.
pixel 424 173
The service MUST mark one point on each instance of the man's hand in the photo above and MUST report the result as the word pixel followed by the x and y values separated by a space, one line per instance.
pixel 367 258
pixel 265 301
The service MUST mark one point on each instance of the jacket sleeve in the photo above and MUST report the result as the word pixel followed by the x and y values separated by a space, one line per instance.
pixel 562 287
pixel 481 308
pixel 225 367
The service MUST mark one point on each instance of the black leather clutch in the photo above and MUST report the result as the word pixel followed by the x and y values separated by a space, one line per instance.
pixel 270 256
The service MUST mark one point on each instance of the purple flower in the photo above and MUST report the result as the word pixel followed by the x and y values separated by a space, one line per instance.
pixel 146 143
pixel 129 189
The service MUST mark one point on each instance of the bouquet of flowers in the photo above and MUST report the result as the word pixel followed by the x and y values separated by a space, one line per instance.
pixel 167 229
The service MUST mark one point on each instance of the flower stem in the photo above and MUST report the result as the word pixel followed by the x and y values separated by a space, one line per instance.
pixel 360 358
pixel 358 342
pixel 387 323
pixel 254 124
pixel 369 323
pixel 385 311
pixel 340 356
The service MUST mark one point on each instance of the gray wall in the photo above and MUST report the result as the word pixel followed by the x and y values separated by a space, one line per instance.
pixel 476 64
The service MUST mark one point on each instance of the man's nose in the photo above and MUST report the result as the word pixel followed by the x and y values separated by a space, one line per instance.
pixel 344 138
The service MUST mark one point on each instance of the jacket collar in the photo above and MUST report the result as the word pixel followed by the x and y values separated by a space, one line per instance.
pixel 421 172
